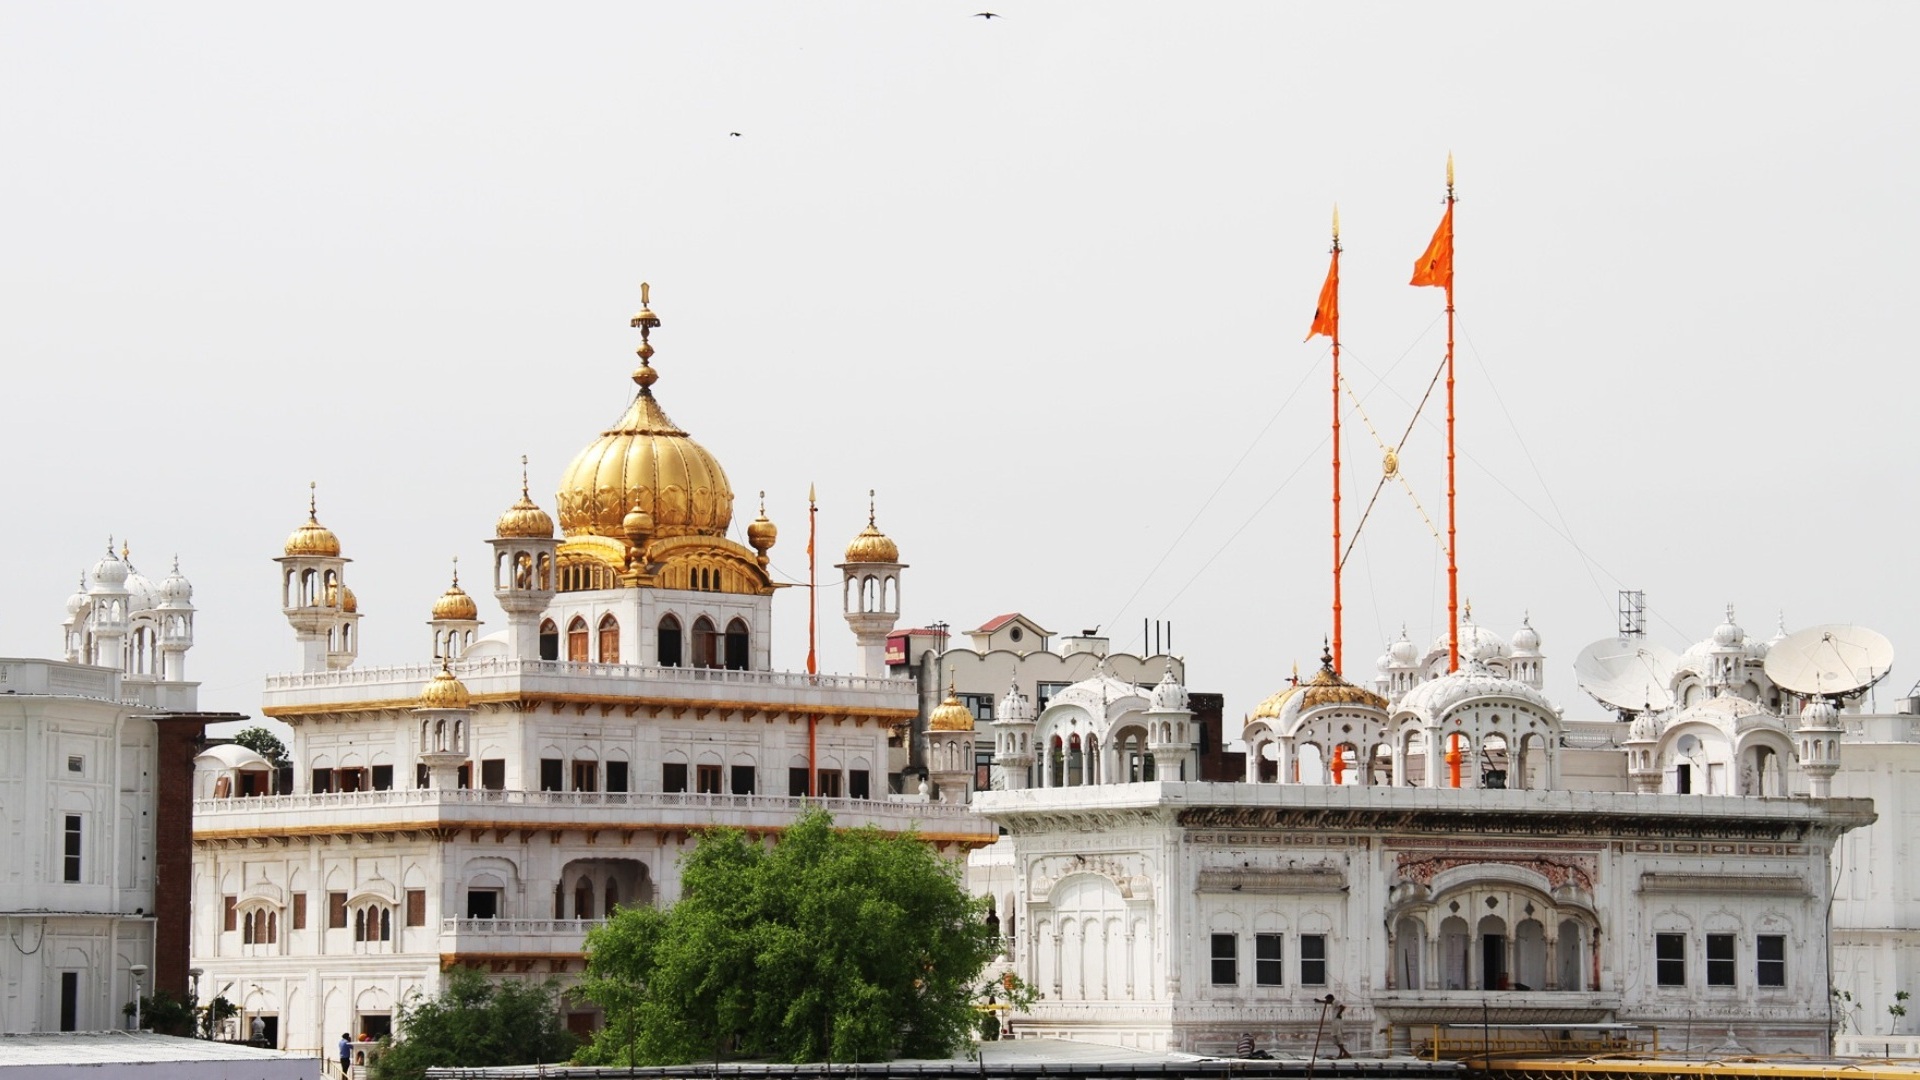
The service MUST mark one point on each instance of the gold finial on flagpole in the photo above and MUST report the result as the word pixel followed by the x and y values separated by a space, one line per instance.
pixel 1336 221
pixel 1449 172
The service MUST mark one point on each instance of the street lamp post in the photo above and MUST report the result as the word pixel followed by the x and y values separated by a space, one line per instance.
pixel 139 972
pixel 194 973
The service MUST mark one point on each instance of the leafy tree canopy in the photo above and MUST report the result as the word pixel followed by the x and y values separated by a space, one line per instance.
pixel 263 742
pixel 836 945
pixel 476 1021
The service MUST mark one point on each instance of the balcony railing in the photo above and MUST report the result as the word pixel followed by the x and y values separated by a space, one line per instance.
pixel 498 667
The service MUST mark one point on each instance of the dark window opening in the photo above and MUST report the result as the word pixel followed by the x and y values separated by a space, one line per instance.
pixel 549 641
pixel 858 786
pixel 1771 960
pixel 743 779
pixel 1267 967
pixel 673 776
pixel 421 778
pixel 707 779
pixel 737 645
pixel 72 859
pixel 336 911
pixel 829 784
pixel 706 643
pixel 1226 963
pixel 69 1001
pixel 322 781
pixel 552 774
pixel 300 911
pixel 1720 962
pixel 383 778
pixel 463 776
pixel 586 776
pixel 668 648
pixel 1313 959
pixel 493 774
pixel 797 782
pixel 616 776
pixel 229 913
pixel 1670 959
pixel 416 907
pixel 1683 779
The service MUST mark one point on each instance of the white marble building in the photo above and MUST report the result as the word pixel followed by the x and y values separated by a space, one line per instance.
pixel 490 804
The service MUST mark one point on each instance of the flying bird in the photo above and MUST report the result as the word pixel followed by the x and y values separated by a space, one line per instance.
pixel 988 15
pixel 733 134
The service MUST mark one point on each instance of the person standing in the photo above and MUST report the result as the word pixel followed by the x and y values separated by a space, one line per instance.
pixel 346 1054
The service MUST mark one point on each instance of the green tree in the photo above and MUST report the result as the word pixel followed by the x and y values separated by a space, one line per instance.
pixel 476 1021
pixel 165 1014
pixel 265 743
pixel 836 945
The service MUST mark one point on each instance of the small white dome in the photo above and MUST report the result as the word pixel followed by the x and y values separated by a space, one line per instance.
pixel 1168 694
pixel 1385 663
pixel 78 601
pixel 1526 639
pixel 1403 651
pixel 1728 634
pixel 1645 727
pixel 110 573
pixel 176 590
pixel 141 594
pixel 1016 707
pixel 1819 715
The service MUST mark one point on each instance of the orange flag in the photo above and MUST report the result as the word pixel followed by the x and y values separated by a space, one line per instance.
pixel 1326 317
pixel 1435 265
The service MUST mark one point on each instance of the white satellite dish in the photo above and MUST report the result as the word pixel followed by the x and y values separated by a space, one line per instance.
pixel 1628 674
pixel 1830 661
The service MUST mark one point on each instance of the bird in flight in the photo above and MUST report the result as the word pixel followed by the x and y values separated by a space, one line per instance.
pixel 733 134
pixel 988 15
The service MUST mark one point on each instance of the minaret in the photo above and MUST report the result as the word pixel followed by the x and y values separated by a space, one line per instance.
pixel 107 587
pixel 314 595
pixel 1525 661
pixel 870 593
pixel 950 749
pixel 445 715
pixel 79 619
pixel 1641 744
pixel 456 620
pixel 1818 740
pixel 1728 653
pixel 1170 728
pixel 1013 738
pixel 524 554
pixel 175 612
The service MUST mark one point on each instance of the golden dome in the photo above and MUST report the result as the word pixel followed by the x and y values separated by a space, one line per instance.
pixel 1271 708
pixel 761 532
pixel 872 545
pixel 524 520
pixel 455 603
pixel 445 692
pixel 313 538
pixel 348 602
pixel 950 715
pixel 1328 688
pixel 644 462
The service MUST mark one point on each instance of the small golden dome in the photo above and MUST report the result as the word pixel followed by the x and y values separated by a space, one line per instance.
pixel 351 604
pixel 761 533
pixel 346 602
pixel 524 520
pixel 455 603
pixel 950 715
pixel 1328 688
pixel 445 692
pixel 1272 707
pixel 644 461
pixel 872 545
pixel 313 539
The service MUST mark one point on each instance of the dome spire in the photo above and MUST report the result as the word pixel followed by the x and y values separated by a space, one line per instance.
pixel 645 320
pixel 870 509
pixel 523 479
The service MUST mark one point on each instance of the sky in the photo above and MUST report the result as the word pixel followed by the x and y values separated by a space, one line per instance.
pixel 1040 281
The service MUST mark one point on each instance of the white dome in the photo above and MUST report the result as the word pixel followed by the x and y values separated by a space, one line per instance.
pixel 1015 708
pixel 1728 634
pixel 78 601
pixel 1819 715
pixel 141 594
pixel 1729 713
pixel 1526 639
pixel 1385 663
pixel 1476 643
pixel 231 756
pixel 1437 696
pixel 176 590
pixel 110 573
pixel 1096 694
pixel 1402 652
pixel 1645 728
pixel 1168 694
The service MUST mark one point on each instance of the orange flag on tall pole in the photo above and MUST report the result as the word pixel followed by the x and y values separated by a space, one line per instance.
pixel 1435 265
pixel 1326 315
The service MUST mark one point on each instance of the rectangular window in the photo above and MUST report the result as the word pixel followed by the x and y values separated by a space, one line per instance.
pixel 1720 960
pixel 1043 692
pixel 1770 960
pixel 322 781
pixel 69 1001
pixel 586 776
pixel 1670 959
pixel 383 778
pixel 76 763
pixel 1267 967
pixel 463 779
pixel 673 776
pixel 416 907
pixel 299 911
pixel 616 776
pixel 552 772
pixel 420 777
pixel 493 774
pixel 707 779
pixel 797 782
pixel 743 779
pixel 829 784
pixel 72 859
pixel 1226 961
pixel 230 913
pixel 336 911
pixel 983 770
pixel 1313 959
pixel 980 705
pixel 483 903
pixel 858 786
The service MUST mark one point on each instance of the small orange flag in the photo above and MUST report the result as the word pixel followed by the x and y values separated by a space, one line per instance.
pixel 1435 265
pixel 1326 317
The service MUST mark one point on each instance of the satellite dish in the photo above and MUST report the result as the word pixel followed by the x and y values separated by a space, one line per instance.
pixel 1830 661
pixel 1627 674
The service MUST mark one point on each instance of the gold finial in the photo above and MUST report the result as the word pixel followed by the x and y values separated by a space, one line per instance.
pixel 523 477
pixel 645 321
pixel 1336 223
pixel 810 498
pixel 109 544
pixel 1449 172
pixel 126 551
pixel 456 571
pixel 763 503
pixel 313 500
pixel 870 523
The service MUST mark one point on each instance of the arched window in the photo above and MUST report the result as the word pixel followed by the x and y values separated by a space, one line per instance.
pixel 609 640
pixel 577 640
pixel 613 896
pixel 737 645
pixel 669 644
pixel 549 640
pixel 386 924
pixel 706 643
pixel 583 899
pixel 273 927
pixel 360 924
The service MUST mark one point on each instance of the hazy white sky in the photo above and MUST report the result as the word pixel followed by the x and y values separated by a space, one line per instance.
pixel 1040 280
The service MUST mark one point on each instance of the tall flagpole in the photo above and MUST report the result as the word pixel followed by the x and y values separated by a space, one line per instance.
pixel 813 661
pixel 1334 276
pixel 1453 546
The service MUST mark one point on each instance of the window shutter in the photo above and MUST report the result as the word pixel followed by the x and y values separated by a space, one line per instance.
pixel 416 907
